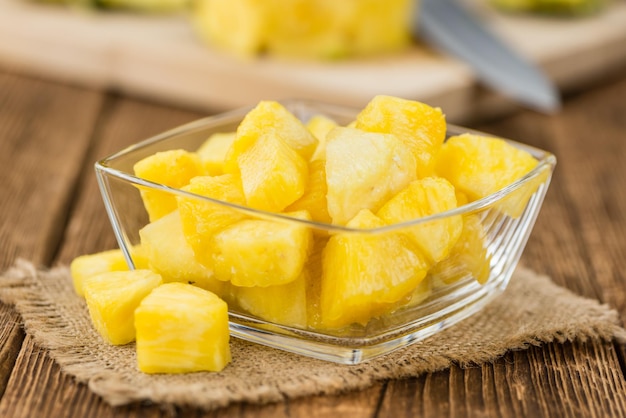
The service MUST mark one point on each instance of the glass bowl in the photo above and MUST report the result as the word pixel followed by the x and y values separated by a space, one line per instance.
pixel 454 289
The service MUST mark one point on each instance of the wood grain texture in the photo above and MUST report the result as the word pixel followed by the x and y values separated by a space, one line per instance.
pixel 52 134
pixel 11 337
pixel 45 130
pixel 554 380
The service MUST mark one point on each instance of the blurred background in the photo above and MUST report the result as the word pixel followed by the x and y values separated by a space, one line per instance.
pixel 214 55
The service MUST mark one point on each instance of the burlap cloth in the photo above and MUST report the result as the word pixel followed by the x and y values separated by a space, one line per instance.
pixel 533 310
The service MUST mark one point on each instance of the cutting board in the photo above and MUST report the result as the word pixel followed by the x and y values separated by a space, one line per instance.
pixel 160 58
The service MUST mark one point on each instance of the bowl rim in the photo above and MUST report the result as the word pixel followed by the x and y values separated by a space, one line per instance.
pixel 546 163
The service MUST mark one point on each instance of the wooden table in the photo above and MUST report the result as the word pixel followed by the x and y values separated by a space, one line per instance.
pixel 51 211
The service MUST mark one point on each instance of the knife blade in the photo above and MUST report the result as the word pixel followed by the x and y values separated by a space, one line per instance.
pixel 448 26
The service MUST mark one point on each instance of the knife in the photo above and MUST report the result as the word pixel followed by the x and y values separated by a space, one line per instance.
pixel 449 27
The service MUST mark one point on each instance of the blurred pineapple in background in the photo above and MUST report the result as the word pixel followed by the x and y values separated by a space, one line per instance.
pixel 327 29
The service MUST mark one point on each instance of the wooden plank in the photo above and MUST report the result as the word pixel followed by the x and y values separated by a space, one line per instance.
pixel 11 336
pixel 44 137
pixel 541 382
pixel 45 130
pixel 553 380
pixel 161 58
pixel 594 165
pixel 38 385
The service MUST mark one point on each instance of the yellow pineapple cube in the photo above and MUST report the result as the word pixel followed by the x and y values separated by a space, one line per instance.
pixel 461 198
pixel 320 126
pixel 314 198
pixel 308 28
pixel 422 292
pixel 380 26
pixel 421 127
pixel 367 275
pixel 182 328
pixel 273 175
pixel 88 265
pixel 238 26
pixel 202 219
pixel 314 270
pixel 468 257
pixel 170 168
pixel 325 29
pixel 270 118
pixel 364 170
pixel 170 255
pixel 425 197
pixel 514 203
pixel 257 252
pixel 284 304
pixel 112 298
pixel 480 165
pixel 213 151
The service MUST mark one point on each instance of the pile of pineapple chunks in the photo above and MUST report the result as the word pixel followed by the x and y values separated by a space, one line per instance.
pixel 314 29
pixel 321 264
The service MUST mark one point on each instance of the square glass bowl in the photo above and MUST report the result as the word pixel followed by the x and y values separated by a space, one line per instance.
pixel 454 289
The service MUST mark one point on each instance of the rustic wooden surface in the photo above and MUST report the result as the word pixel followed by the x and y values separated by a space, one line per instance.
pixel 50 211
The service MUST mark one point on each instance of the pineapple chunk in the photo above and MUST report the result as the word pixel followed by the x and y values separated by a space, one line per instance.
pixel 170 168
pixel 320 126
pixel 380 26
pixel 313 269
pixel 284 304
pixel 309 28
pixel 479 165
pixel 425 197
pixel 314 198
pixel 213 151
pixel 421 127
pixel 514 203
pixel 364 170
pixel 182 328
pixel 202 219
pixel 88 265
pixel 238 26
pixel 325 29
pixel 468 257
pixel 112 298
pixel 273 175
pixel 422 292
pixel 170 255
pixel 270 118
pixel 256 252
pixel 366 275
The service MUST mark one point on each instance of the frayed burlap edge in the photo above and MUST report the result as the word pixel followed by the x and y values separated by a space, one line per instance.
pixel 532 311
